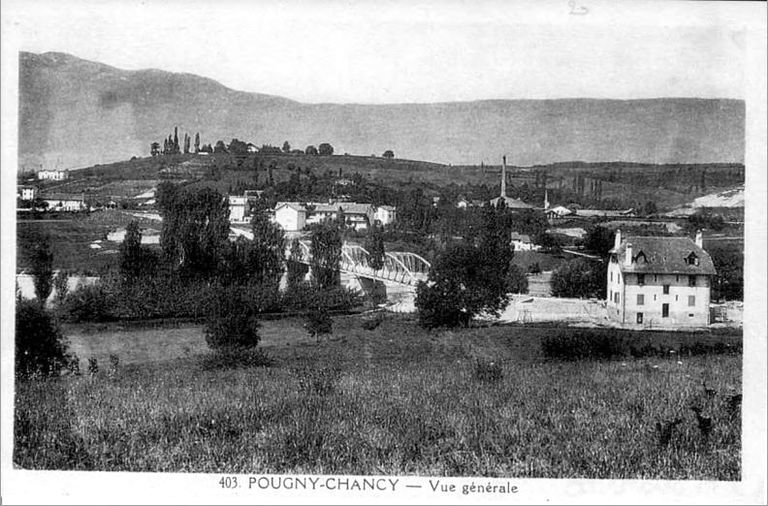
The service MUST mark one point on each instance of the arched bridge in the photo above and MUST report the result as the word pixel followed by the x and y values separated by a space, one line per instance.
pixel 399 267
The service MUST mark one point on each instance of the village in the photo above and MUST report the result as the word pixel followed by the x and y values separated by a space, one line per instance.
pixel 631 303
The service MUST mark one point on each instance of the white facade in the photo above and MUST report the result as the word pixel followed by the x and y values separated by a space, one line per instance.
pixel 53 175
pixel 238 208
pixel 385 215
pixel 522 242
pixel 650 289
pixel 27 192
pixel 65 204
pixel 290 217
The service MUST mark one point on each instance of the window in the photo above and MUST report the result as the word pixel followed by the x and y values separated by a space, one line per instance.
pixel 675 298
pixel 654 296
pixel 640 299
pixel 611 276
pixel 691 280
pixel 655 278
pixel 677 278
pixel 666 289
pixel 610 296
pixel 641 279
pixel 691 300
pixel 692 259
pixel 665 310
pixel 639 317
pixel 616 297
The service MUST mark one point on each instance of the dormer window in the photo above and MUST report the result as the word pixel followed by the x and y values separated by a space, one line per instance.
pixel 640 258
pixel 692 259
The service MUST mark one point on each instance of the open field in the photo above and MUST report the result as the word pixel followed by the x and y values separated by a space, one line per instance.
pixel 71 239
pixel 394 400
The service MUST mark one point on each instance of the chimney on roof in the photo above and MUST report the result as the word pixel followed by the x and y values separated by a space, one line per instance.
pixel 617 239
pixel 504 176
pixel 699 239
pixel 628 257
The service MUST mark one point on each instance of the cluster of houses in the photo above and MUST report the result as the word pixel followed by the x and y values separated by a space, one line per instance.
pixel 296 216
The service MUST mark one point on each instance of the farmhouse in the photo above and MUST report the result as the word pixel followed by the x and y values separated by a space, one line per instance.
pixel 238 208
pixel 659 282
pixel 65 203
pixel 291 216
pixel 522 242
pixel 53 175
pixel 27 192
pixel 385 215
pixel 357 216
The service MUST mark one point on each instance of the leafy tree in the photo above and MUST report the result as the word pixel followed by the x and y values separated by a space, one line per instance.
pixel 517 281
pixel 269 248
pixel 195 227
pixel 319 322
pixel 40 345
pixel 186 143
pixel 176 149
pixel 326 254
pixel 704 219
pixel 286 147
pixel 599 240
pixel 325 149
pixel 197 142
pixel 232 322
pixel 237 147
pixel 61 286
pixel 311 150
pixel 220 147
pixel 388 154
pixel 135 260
pixel 37 250
pixel 728 283
pixel 154 149
pixel 579 278
pixel 374 244
pixel 462 283
pixel 297 270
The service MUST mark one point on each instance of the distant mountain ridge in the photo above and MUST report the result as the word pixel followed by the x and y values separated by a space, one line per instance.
pixel 76 113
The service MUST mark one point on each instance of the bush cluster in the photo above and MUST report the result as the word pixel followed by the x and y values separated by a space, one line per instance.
pixel 41 349
pixel 581 345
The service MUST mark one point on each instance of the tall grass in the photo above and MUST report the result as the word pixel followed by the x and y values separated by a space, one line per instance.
pixel 395 400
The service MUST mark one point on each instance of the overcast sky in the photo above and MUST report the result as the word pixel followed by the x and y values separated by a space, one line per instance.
pixel 388 52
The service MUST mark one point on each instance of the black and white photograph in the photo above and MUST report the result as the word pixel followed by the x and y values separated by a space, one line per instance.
pixel 383 252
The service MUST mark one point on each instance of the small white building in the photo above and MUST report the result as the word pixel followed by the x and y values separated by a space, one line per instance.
pixel 385 215
pixel 27 192
pixel 238 208
pixel 659 282
pixel 53 175
pixel 291 216
pixel 65 203
pixel 357 216
pixel 522 242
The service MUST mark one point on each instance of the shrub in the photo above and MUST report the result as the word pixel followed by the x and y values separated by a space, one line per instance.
pixel 88 303
pixel 318 322
pixel 232 322
pixel 40 345
pixel 581 345
pixel 373 323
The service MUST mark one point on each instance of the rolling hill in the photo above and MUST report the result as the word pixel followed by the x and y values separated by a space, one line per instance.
pixel 118 113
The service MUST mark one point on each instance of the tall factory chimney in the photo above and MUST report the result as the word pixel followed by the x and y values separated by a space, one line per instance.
pixel 504 176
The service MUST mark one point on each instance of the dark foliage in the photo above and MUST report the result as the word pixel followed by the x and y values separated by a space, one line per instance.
pixel 488 371
pixel 581 346
pixel 232 323
pixel 40 345
pixel 326 253
pixel 580 278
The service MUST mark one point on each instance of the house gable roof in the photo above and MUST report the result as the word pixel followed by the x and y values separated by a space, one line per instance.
pixel 663 255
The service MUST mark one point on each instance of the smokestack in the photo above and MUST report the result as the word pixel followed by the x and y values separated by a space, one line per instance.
pixel 628 258
pixel 504 176
pixel 617 239
pixel 699 239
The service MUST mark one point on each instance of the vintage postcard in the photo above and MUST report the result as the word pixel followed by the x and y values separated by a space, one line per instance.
pixel 383 252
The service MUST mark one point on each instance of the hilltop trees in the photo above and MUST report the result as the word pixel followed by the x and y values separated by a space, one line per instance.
pixel 325 149
pixel 311 150
pixel 388 154
pixel 197 142
pixel 154 149
pixel 286 147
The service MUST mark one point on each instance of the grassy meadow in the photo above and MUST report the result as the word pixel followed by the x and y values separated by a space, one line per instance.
pixel 392 400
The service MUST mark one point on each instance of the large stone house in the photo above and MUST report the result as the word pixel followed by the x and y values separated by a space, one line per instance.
pixel 659 282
